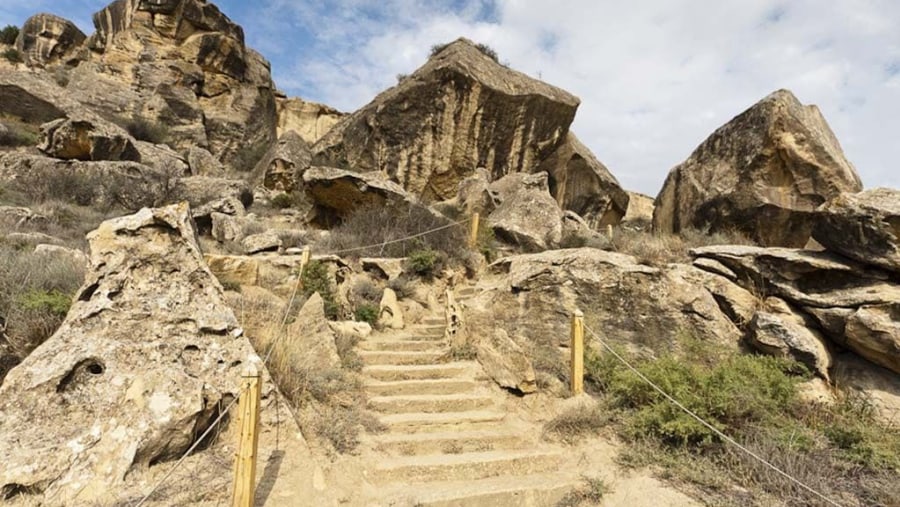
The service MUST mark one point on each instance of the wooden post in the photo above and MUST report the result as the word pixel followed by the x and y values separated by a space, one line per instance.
pixel 473 234
pixel 245 457
pixel 609 231
pixel 577 346
pixel 304 259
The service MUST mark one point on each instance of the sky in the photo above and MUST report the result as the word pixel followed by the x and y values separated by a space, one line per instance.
pixel 655 77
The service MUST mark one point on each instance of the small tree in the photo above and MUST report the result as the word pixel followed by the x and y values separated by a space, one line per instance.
pixel 9 34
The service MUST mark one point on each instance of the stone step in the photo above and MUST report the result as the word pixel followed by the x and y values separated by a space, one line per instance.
pixel 429 403
pixel 401 345
pixel 466 466
pixel 373 358
pixel 391 373
pixel 454 442
pixel 427 329
pixel 421 422
pixel 434 321
pixel 533 490
pixel 426 386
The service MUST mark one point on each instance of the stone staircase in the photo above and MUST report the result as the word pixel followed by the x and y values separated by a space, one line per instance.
pixel 449 440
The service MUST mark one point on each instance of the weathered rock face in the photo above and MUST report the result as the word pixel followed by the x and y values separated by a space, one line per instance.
pixel 461 110
pixel 338 193
pixel 580 183
pixel 45 39
pixel 263 242
pixel 91 416
pixel 780 331
pixel 856 306
pixel 533 297
pixel 505 362
pixel 314 336
pixel 282 167
pixel 764 174
pixel 639 216
pixel 527 217
pixel 82 139
pixel 184 64
pixel 863 226
pixel 309 120
pixel 389 313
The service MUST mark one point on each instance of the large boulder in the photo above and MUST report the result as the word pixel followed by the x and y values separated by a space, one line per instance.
pixel 856 306
pixel 763 174
pixel 528 216
pixel 311 335
pixel 282 167
pixel 309 120
pixel 145 360
pixel 505 362
pixel 863 226
pixel 46 39
pixel 460 111
pixel 639 216
pixel 337 193
pixel 184 64
pixel 82 139
pixel 781 331
pixel 581 183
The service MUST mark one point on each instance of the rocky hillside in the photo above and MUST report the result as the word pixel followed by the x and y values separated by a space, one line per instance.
pixel 160 202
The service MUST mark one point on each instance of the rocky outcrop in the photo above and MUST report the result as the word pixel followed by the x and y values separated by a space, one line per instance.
pixel 581 183
pixel 460 111
pixel 763 174
pixel 309 120
pixel 203 163
pixel 527 217
pixel 778 330
pixel 863 226
pixel 282 167
pixel 263 242
pixel 311 334
pixel 92 417
pixel 82 139
pixel 389 313
pixel 45 39
pixel 184 64
pixel 639 216
pixel 855 306
pixel 505 362
pixel 337 193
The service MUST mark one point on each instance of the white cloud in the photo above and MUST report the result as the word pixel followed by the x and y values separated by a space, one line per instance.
pixel 655 78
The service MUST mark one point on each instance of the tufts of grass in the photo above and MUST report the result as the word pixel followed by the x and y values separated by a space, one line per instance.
pixel 590 492
pixel 578 422
pixel 661 249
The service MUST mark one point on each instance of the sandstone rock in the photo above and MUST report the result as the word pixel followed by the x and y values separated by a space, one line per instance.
pixel 17 217
pixel 8 357
pixel 76 256
pixel 359 330
pixel 228 206
pixel 163 158
pixel 46 39
pixel 389 313
pixel 226 228
pixel 763 174
pixel 533 296
pixel 780 331
pixel 309 120
pixel 264 242
pixel 31 238
pixel 388 269
pixel 878 386
pixel 338 193
pixel 863 226
pixel 528 217
pixel 857 306
pixel 203 163
pixel 473 196
pixel 639 216
pixel 580 183
pixel 80 139
pixel 234 269
pixel 282 167
pixel 461 110
pixel 93 417
pixel 31 99
pixel 312 335
pixel 577 233
pixel 505 362
pixel 199 190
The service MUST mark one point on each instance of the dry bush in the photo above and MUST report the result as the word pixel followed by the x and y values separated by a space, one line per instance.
pixel 66 222
pixel 590 492
pixel 661 249
pixel 577 422
pixel 19 134
pixel 378 225
pixel 35 294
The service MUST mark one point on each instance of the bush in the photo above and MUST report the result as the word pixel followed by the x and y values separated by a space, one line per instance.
pixel 366 313
pixel 282 201
pixel 578 422
pixel 12 55
pixel 147 130
pixel 660 249
pixel 424 263
pixel 402 286
pixel 315 278
pixel 246 158
pixel 484 48
pixel 9 34
pixel 53 302
pixel 364 291
pixel 18 135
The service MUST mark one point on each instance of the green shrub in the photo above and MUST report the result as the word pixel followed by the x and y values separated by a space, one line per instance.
pixel 366 313
pixel 53 302
pixel 364 291
pixel 424 263
pixel 9 34
pixel 12 55
pixel 282 201
pixel 315 278
pixel 402 286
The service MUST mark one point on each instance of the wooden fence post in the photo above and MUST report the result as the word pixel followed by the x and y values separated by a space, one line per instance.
pixel 609 231
pixel 577 346
pixel 245 457
pixel 473 234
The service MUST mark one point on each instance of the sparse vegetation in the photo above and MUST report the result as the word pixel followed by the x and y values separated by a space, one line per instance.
pixel 484 48
pixel 145 129
pixel 424 263
pixel 9 34
pixel 660 249
pixel 402 286
pixel 366 313
pixel 18 134
pixel 316 278
pixel 589 493
pixel 12 55
pixel 247 157
pixel 578 422
pixel 460 352
pixel 282 201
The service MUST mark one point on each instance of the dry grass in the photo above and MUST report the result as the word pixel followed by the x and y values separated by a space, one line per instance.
pixel 590 492
pixel 578 422
pixel 661 249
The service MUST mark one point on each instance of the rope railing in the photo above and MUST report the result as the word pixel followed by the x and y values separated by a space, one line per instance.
pixel 279 336
pixel 706 424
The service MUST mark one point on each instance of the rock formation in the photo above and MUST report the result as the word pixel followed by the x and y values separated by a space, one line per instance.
pixel 311 121
pixel 151 355
pixel 46 39
pixel 460 111
pixel 763 174
pixel 338 193
pixel 282 167
pixel 863 226
pixel 527 216
pixel 81 139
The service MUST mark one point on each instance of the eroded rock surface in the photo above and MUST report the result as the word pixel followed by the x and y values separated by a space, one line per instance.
pixel 527 217
pixel 863 226
pixel 505 362
pixel 282 167
pixel 45 39
pixel 92 416
pixel 337 193
pixel 310 120
pixel 763 174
